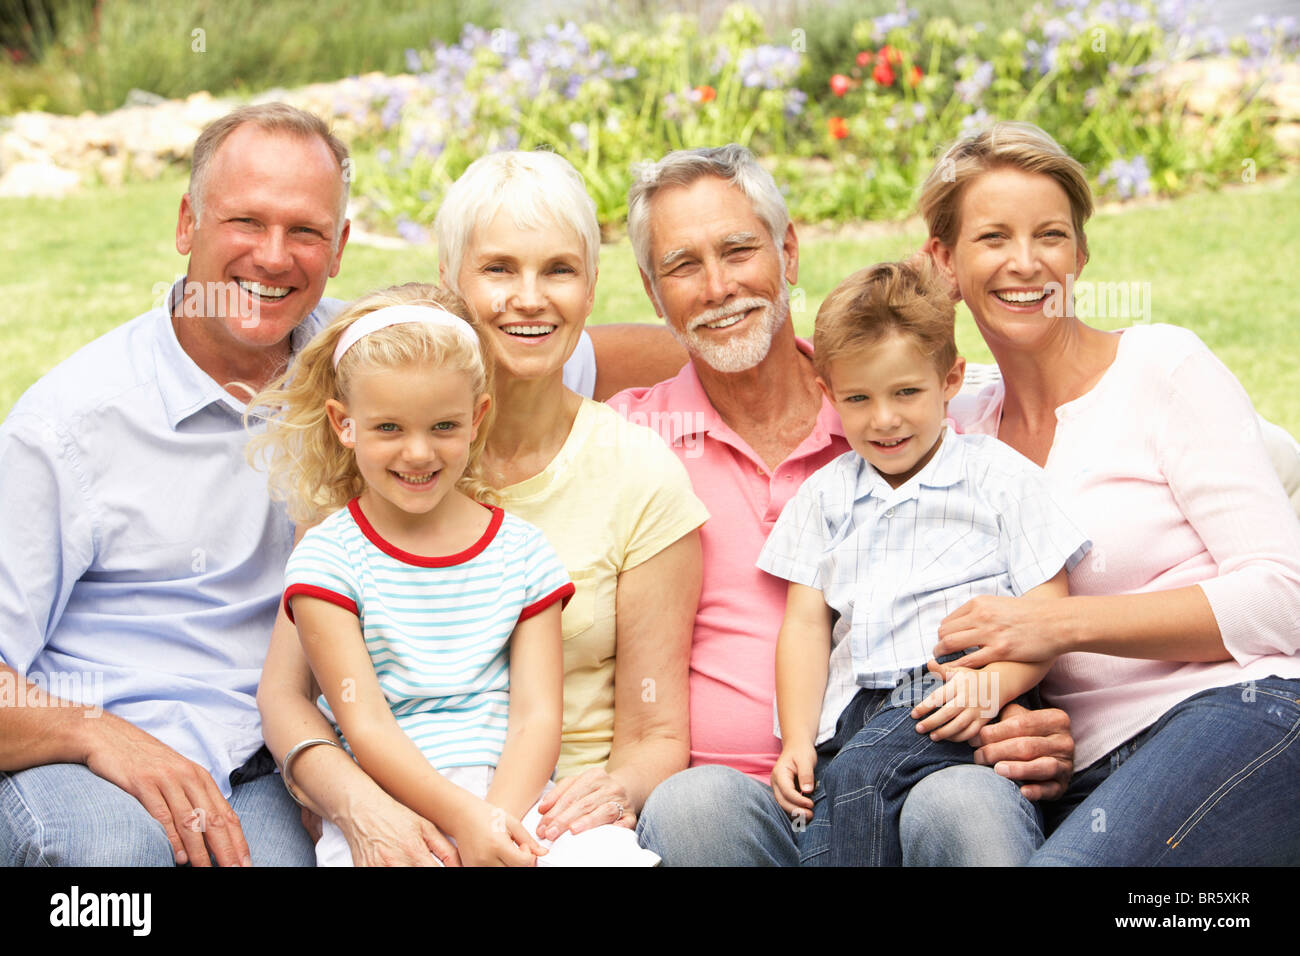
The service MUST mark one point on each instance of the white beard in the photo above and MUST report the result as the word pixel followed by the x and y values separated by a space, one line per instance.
pixel 739 353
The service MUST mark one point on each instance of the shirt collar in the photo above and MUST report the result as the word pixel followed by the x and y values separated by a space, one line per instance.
pixel 686 392
pixel 946 468
pixel 185 388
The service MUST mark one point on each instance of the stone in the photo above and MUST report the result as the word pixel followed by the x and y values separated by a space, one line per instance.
pixel 23 180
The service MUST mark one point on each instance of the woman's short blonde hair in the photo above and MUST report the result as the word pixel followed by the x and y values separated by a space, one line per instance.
pixel 903 298
pixel 540 188
pixel 309 467
pixel 1004 145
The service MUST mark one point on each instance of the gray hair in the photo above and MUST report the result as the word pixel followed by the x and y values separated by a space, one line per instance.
pixel 273 118
pixel 540 188
pixel 732 163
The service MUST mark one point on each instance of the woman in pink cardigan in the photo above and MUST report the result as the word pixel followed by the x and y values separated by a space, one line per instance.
pixel 1177 651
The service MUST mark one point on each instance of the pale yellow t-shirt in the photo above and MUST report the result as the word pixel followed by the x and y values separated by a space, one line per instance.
pixel 613 497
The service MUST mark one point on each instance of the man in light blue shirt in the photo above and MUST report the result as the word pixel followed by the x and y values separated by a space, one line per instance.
pixel 141 559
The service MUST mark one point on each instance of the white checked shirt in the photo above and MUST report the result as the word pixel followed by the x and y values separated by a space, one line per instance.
pixel 894 562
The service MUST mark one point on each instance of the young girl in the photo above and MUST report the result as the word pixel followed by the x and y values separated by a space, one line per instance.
pixel 431 618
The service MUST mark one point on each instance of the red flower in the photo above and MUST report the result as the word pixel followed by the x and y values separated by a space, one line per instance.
pixel 837 127
pixel 891 54
pixel 706 94
pixel 882 74
pixel 915 78
pixel 839 84
pixel 864 58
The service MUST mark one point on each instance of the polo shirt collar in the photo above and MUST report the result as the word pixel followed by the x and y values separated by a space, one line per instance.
pixel 686 392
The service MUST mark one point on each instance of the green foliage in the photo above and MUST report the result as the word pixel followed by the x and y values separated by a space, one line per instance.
pixel 243 46
pixel 853 146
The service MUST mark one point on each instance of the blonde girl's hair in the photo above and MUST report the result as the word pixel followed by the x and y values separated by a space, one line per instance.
pixel 1004 145
pixel 903 298
pixel 308 466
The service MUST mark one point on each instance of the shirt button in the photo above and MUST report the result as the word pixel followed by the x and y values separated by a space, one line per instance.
pixel 758 470
pixel 889 513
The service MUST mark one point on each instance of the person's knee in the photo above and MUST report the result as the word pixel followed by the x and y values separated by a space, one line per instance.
pixel 714 815
pixel 695 797
pixel 967 816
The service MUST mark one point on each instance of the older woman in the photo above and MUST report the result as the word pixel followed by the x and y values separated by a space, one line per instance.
pixel 1176 654
pixel 518 240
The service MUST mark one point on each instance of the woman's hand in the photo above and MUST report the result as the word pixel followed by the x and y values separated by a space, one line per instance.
pixel 1004 629
pixel 488 836
pixel 386 833
pixel 591 799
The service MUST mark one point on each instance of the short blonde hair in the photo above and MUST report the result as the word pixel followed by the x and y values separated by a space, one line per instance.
pixel 1004 145
pixel 272 118
pixel 540 188
pixel 902 298
pixel 309 468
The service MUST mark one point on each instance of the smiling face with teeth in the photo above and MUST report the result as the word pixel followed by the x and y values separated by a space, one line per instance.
pixel 892 401
pixel 410 429
pixel 267 243
pixel 1015 235
pixel 531 287
pixel 719 279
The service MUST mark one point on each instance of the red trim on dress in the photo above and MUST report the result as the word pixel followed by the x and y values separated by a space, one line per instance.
pixel 422 560
pixel 312 590
pixel 539 606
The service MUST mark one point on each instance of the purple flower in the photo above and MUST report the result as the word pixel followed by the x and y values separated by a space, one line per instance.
pixel 1131 178
pixel 412 233
pixel 771 67
pixel 794 102
pixel 580 136
pixel 974 123
pixel 970 90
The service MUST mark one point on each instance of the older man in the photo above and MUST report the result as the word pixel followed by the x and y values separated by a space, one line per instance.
pixel 140 558
pixel 716 250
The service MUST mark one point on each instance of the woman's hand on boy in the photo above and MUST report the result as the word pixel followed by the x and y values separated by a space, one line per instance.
pixel 792 779
pixel 1004 629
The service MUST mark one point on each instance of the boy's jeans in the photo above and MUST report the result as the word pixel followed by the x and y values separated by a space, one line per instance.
pixel 865 772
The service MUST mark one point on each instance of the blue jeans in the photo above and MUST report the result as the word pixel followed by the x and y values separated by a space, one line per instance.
pixel 869 768
pixel 717 816
pixel 65 815
pixel 1211 783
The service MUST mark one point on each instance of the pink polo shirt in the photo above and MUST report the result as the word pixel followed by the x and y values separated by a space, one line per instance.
pixel 733 655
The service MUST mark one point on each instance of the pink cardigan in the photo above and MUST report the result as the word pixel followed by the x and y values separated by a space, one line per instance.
pixel 1163 467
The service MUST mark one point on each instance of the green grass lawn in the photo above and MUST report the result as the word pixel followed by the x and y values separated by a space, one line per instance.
pixel 1222 264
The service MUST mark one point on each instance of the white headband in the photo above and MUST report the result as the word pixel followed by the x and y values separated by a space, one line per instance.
pixel 400 315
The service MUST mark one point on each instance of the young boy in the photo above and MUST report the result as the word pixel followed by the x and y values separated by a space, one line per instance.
pixel 879 547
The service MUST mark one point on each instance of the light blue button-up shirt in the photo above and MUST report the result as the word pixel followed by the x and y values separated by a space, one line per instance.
pixel 894 562
pixel 141 559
